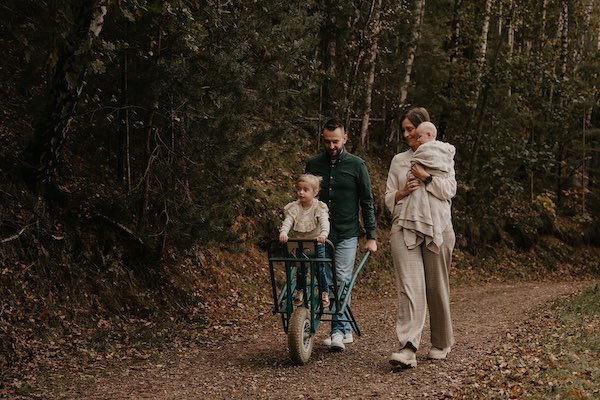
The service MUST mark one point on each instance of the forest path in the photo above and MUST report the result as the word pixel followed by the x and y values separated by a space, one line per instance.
pixel 253 363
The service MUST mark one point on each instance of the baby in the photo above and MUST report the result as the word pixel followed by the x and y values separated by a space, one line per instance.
pixel 420 215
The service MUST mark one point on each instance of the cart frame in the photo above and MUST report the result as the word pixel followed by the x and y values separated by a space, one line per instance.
pixel 301 323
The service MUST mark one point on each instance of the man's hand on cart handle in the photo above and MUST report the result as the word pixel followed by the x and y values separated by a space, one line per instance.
pixel 371 245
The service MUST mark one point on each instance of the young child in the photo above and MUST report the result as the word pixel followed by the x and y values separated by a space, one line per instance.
pixel 421 214
pixel 307 218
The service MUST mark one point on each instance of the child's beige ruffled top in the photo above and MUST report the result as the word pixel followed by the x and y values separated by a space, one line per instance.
pixel 305 224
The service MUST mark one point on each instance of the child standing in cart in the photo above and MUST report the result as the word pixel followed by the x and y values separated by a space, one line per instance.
pixel 307 218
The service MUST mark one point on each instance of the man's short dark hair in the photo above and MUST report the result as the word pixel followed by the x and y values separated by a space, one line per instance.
pixel 332 124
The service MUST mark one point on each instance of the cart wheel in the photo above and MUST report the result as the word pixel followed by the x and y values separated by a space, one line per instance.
pixel 300 338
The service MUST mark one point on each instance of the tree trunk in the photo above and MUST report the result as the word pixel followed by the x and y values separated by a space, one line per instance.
pixel 564 53
pixel 581 50
pixel 364 129
pixel 328 52
pixel 412 49
pixel 42 156
pixel 541 46
pixel 149 156
pixel 539 87
pixel 454 48
pixel 150 148
pixel 123 160
pixel 453 52
pixel 564 40
pixel 511 46
pixel 352 82
pixel 481 93
pixel 480 113
pixel 483 41
pixel 587 115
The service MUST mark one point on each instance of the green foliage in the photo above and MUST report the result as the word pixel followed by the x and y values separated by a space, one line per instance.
pixel 207 80
pixel 523 225
pixel 208 83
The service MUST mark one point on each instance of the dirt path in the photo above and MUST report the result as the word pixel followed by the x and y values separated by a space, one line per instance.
pixel 255 364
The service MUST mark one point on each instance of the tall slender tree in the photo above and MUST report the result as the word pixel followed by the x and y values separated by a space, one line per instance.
pixel 370 81
pixel 415 35
pixel 42 157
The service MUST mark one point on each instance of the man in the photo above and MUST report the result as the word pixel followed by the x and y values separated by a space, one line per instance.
pixel 346 189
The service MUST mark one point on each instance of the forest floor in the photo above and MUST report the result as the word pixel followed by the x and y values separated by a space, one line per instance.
pixel 251 361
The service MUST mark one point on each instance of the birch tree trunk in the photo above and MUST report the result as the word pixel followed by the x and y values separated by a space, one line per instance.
pixel 123 160
pixel 42 156
pixel 419 12
pixel 328 52
pixel 364 129
pixel 483 42
pixel 453 54
pixel 352 84
pixel 412 50
pixel 483 93
pixel 511 45
pixel 564 53
pixel 455 32
pixel 542 45
pixel 539 86
pixel 581 51
pixel 564 40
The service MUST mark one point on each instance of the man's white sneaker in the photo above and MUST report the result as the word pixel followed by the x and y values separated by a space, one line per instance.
pixel 438 354
pixel 405 358
pixel 348 338
pixel 337 342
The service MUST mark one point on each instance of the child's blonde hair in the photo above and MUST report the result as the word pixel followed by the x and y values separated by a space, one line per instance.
pixel 313 180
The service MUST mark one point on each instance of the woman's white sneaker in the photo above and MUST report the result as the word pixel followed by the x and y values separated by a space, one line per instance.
pixel 405 358
pixel 438 354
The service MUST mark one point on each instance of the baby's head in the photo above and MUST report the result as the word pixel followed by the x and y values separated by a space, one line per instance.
pixel 426 132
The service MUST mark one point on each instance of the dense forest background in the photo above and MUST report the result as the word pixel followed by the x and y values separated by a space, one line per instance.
pixel 149 146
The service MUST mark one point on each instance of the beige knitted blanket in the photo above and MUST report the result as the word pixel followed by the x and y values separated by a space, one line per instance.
pixel 423 216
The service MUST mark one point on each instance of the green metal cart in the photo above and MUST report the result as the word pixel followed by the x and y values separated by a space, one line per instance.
pixel 301 323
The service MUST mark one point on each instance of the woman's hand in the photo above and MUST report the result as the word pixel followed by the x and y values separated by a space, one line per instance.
pixel 411 185
pixel 321 239
pixel 419 172
pixel 283 238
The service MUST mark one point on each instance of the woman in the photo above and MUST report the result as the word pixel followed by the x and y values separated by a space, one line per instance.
pixel 421 274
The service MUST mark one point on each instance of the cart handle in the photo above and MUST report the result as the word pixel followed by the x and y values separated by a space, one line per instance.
pixel 362 262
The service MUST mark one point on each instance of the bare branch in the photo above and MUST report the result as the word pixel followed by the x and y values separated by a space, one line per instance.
pixel 13 237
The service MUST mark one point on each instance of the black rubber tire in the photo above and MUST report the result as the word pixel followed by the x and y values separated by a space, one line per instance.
pixel 300 338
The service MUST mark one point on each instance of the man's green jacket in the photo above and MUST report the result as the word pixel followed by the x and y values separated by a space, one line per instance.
pixel 346 189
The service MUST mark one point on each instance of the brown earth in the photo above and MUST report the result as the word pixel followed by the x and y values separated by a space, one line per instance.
pixel 252 362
